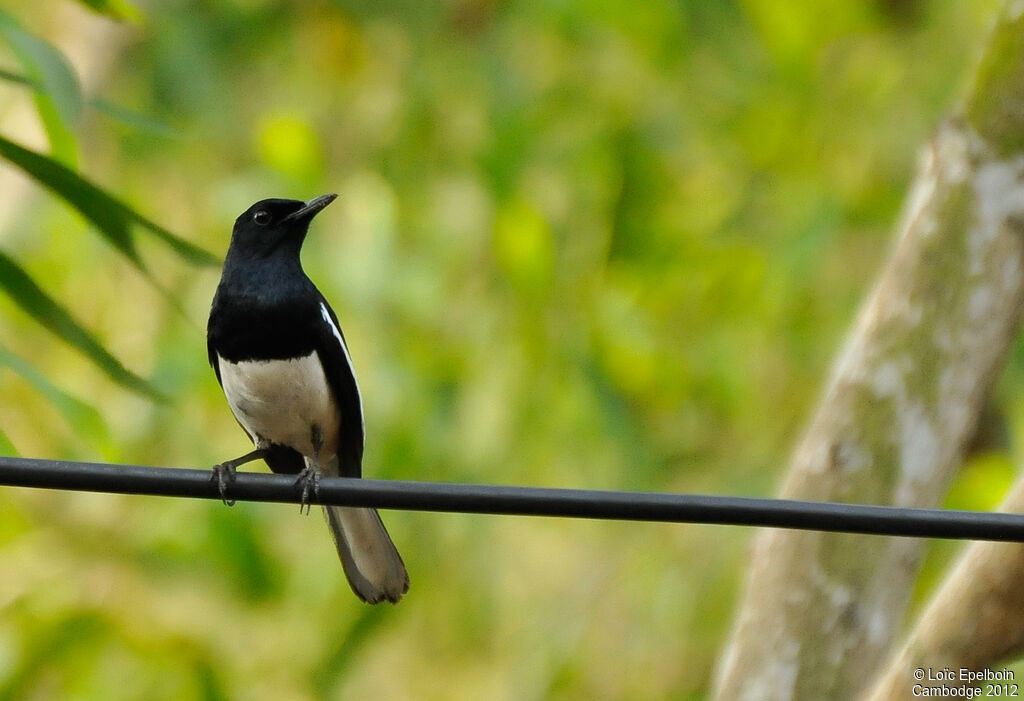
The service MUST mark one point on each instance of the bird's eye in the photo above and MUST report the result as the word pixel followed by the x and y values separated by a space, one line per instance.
pixel 261 217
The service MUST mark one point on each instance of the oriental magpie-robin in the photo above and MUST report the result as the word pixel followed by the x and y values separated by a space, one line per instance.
pixel 282 361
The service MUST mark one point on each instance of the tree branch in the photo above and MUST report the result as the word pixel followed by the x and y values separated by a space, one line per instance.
pixel 975 620
pixel 821 610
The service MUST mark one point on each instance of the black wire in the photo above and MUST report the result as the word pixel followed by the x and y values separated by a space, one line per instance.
pixel 525 501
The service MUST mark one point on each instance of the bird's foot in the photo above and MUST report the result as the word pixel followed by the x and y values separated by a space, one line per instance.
pixel 223 474
pixel 309 478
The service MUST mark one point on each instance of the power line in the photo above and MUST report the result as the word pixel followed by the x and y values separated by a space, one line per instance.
pixel 523 501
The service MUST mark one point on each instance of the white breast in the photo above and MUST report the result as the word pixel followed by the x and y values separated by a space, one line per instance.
pixel 283 401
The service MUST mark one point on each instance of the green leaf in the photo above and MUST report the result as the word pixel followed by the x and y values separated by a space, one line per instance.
pixel 85 419
pixel 6 447
pixel 110 216
pixel 117 9
pixel 62 140
pixel 16 78
pixel 34 301
pixel 59 99
pixel 137 120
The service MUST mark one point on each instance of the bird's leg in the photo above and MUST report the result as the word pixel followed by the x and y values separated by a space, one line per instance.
pixel 309 478
pixel 310 475
pixel 224 472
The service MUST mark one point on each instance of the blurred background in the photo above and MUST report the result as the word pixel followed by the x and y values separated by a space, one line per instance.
pixel 580 244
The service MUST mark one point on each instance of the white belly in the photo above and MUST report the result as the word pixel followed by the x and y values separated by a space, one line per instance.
pixel 283 401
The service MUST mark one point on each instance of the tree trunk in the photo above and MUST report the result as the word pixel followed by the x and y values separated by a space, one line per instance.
pixel 821 610
pixel 974 621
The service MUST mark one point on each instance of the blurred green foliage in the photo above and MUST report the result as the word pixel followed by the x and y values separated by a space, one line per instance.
pixel 577 243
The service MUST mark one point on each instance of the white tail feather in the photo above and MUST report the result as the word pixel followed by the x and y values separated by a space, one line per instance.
pixel 371 561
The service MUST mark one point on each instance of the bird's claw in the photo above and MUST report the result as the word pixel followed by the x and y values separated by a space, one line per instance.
pixel 223 474
pixel 309 478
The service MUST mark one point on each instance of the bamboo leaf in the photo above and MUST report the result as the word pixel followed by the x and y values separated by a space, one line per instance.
pixel 6 447
pixel 136 120
pixel 17 78
pixel 110 216
pixel 117 9
pixel 40 306
pixel 84 418
pixel 59 98
pixel 62 140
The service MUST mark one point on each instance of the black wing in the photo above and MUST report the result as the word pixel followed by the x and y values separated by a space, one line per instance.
pixel 211 353
pixel 341 376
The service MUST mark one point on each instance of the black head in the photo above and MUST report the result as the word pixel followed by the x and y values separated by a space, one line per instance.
pixel 275 225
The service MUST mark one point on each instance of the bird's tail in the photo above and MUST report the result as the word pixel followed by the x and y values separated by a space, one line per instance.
pixel 371 561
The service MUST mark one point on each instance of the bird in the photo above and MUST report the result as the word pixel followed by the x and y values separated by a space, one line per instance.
pixel 282 361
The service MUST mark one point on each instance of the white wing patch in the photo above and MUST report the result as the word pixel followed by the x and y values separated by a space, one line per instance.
pixel 348 359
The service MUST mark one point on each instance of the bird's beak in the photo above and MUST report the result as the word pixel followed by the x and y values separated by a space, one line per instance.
pixel 312 207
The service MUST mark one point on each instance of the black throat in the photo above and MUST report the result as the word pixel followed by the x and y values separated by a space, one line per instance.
pixel 264 310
